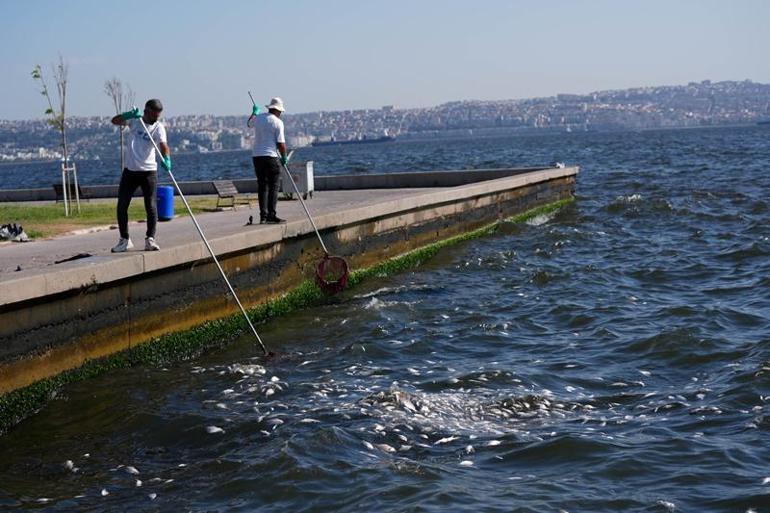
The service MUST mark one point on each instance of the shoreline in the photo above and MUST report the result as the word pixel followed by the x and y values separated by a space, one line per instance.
pixel 440 135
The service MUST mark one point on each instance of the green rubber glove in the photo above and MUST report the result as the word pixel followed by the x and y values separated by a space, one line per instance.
pixel 284 159
pixel 166 163
pixel 131 114
pixel 254 110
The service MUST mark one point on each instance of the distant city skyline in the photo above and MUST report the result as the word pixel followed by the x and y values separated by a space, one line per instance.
pixel 203 57
pixel 698 104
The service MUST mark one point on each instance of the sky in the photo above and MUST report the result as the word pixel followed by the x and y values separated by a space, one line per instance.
pixel 201 57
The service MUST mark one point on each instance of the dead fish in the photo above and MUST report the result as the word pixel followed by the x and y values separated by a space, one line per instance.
pixel 138 483
pixel 368 445
pixel 214 429
pixel 386 448
pixel 446 440
pixel 466 463
pixel 132 470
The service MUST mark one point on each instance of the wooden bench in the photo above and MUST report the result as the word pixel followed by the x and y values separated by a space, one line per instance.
pixel 227 193
pixel 58 189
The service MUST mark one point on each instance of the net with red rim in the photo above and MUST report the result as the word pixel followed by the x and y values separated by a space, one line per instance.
pixel 332 274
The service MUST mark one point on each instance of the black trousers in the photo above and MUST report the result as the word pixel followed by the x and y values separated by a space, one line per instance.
pixel 268 170
pixel 129 181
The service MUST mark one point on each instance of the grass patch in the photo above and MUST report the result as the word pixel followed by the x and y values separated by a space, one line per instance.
pixel 184 345
pixel 48 219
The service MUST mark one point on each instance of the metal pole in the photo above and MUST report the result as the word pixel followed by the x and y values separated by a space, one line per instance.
pixel 64 186
pixel 254 104
pixel 77 191
pixel 206 242
pixel 299 197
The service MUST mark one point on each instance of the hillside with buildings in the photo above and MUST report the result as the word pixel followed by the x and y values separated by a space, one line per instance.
pixel 698 104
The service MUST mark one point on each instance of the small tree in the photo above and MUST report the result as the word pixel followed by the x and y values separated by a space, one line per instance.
pixel 57 118
pixel 121 100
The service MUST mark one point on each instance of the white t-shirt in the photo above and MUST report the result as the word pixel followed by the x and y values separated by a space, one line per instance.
pixel 140 153
pixel 268 131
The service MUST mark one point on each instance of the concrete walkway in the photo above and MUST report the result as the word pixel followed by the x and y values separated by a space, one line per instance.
pixel 28 271
pixel 176 237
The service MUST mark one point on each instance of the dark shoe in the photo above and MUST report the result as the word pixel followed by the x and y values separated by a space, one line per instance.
pixel 262 219
pixel 275 220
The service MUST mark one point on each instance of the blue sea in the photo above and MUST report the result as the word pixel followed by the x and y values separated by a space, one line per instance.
pixel 613 356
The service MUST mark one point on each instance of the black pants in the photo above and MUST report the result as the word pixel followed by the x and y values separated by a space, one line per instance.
pixel 268 170
pixel 129 181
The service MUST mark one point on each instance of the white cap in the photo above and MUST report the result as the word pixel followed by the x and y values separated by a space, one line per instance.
pixel 277 104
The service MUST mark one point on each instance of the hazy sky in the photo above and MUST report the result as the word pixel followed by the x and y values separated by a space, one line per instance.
pixel 202 56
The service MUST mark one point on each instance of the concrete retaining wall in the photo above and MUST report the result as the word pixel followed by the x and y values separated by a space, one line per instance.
pixel 54 321
pixel 400 180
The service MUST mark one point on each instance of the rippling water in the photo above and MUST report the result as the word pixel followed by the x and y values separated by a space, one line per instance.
pixel 612 357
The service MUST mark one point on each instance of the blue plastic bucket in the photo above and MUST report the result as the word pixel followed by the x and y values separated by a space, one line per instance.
pixel 165 202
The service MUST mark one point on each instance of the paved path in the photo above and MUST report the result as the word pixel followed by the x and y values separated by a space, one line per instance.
pixel 40 255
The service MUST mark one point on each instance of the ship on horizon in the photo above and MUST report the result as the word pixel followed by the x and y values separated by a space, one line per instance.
pixel 362 140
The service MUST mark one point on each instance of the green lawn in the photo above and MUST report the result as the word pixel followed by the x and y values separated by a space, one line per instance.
pixel 48 220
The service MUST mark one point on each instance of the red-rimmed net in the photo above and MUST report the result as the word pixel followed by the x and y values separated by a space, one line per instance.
pixel 332 274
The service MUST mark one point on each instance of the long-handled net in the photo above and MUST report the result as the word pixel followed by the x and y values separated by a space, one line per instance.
pixel 208 246
pixel 332 271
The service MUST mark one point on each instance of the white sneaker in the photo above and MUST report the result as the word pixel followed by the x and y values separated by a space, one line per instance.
pixel 150 244
pixel 122 245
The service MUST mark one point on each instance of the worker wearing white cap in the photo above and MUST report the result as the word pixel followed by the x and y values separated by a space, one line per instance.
pixel 268 155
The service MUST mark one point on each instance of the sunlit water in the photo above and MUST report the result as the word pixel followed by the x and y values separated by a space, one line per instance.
pixel 612 357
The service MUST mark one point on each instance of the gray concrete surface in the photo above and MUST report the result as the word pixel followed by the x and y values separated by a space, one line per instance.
pixel 180 243
pixel 393 180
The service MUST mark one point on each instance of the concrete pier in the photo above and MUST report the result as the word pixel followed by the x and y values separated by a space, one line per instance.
pixel 56 316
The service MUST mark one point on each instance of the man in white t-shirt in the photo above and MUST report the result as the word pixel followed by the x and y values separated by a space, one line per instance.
pixel 141 170
pixel 268 155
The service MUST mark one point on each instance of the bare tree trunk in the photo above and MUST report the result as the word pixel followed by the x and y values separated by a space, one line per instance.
pixel 122 157
pixel 120 100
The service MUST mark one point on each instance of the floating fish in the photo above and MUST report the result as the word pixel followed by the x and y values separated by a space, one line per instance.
pixel 386 448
